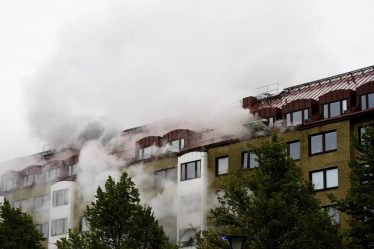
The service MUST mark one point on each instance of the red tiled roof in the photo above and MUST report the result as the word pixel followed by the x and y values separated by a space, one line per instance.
pixel 313 90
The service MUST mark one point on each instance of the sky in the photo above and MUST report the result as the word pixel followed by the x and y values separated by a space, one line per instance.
pixel 72 64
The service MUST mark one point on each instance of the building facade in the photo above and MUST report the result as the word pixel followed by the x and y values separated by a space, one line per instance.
pixel 318 121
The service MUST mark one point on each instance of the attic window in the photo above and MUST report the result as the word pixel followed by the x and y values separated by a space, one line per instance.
pixel 334 109
pixel 177 144
pixel 145 153
pixel 367 101
pixel 297 118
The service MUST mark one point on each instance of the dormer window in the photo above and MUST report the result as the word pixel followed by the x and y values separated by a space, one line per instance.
pixel 297 118
pixel 145 153
pixel 334 109
pixel 367 101
pixel 9 184
pixel 177 144
pixel 270 121
pixel 29 180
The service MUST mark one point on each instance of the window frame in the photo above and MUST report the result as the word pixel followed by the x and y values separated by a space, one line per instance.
pixel 45 200
pixel 323 142
pixel 303 111
pixel 184 178
pixel 181 143
pixel 366 96
pixel 288 149
pixel 217 165
pixel 54 226
pixel 65 197
pixel 326 207
pixel 329 108
pixel 249 166
pixel 324 170
pixel 165 170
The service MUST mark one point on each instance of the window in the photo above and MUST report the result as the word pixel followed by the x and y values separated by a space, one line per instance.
pixel 293 150
pixel 334 109
pixel 222 165
pixel 324 179
pixel 9 184
pixel 73 170
pixel 59 226
pixel 29 180
pixel 270 121
pixel 60 197
pixel 41 202
pixel 145 153
pixel 333 213
pixel 297 118
pixel 84 225
pixel 323 142
pixel 190 170
pixel 163 175
pixel 53 174
pixel 43 229
pixel 178 144
pixel 187 237
pixel 249 160
pixel 21 204
pixel 367 101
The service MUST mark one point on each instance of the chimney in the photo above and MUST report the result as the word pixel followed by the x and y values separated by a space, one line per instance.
pixel 249 102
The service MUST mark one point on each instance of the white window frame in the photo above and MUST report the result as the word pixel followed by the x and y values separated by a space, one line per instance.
pixel 55 230
pixel 57 195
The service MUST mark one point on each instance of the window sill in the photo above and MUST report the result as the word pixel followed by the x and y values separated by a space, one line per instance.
pixel 325 189
pixel 218 175
pixel 323 152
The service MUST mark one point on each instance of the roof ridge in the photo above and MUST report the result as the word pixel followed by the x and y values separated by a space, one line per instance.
pixel 331 78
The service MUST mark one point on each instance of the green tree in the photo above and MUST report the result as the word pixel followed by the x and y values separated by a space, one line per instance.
pixel 272 206
pixel 117 220
pixel 17 229
pixel 359 202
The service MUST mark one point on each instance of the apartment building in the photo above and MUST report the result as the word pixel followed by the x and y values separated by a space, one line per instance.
pixel 318 122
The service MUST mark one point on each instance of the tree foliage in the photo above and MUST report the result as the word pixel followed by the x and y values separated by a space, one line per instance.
pixel 117 220
pixel 272 206
pixel 17 229
pixel 359 202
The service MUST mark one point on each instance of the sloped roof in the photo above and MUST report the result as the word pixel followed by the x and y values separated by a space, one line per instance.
pixel 315 89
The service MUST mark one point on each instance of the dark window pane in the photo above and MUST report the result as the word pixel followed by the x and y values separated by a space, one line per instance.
pixel 316 144
pixel 330 141
pixel 335 109
pixel 294 150
pixel 371 100
pixel 297 118
pixel 363 102
pixel 325 111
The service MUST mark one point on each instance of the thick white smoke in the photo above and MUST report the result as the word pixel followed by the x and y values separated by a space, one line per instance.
pixel 142 61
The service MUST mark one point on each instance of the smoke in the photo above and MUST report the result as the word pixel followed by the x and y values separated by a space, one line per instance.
pixel 138 62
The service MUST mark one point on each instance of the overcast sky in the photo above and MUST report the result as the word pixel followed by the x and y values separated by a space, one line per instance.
pixel 64 64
